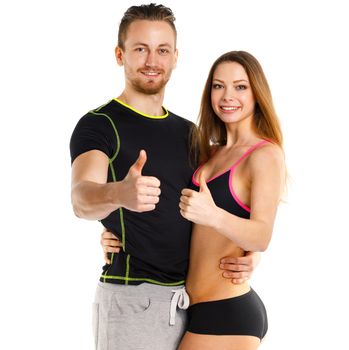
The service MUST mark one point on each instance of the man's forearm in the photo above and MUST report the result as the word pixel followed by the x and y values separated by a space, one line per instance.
pixel 94 201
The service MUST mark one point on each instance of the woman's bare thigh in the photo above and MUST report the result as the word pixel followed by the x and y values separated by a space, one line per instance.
pixel 193 341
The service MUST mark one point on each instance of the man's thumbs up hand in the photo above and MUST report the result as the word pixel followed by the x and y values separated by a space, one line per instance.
pixel 139 193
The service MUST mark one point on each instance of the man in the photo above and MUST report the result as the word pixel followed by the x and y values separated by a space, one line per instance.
pixel 130 161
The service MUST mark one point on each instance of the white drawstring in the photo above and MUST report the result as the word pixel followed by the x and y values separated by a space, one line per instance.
pixel 180 298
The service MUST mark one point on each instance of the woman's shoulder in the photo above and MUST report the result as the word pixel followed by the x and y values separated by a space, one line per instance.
pixel 267 155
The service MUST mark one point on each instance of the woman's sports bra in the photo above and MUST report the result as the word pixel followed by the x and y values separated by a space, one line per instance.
pixel 222 190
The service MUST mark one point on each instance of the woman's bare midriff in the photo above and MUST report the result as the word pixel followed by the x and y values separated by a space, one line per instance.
pixel 205 281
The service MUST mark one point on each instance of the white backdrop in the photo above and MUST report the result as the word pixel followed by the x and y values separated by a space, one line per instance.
pixel 57 62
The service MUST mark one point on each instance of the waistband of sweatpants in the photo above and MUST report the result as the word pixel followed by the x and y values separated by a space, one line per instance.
pixel 160 293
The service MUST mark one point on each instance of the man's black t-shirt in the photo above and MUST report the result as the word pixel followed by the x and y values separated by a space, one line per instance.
pixel 156 243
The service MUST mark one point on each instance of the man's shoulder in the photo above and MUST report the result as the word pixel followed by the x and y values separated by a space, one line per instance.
pixel 181 120
pixel 97 118
pixel 105 108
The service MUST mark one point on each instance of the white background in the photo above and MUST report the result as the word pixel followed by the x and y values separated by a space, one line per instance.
pixel 57 62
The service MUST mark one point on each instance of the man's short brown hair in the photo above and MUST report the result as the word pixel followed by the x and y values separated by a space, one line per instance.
pixel 151 12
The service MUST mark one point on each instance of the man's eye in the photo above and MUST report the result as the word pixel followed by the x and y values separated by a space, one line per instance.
pixel 163 51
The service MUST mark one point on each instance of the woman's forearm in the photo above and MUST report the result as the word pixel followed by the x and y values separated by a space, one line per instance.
pixel 249 234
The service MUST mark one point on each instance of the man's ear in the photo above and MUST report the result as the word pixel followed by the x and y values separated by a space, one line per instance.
pixel 176 58
pixel 119 55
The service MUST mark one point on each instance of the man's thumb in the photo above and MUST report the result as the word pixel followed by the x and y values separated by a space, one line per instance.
pixel 139 164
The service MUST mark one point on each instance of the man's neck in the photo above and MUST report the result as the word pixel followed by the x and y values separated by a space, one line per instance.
pixel 147 104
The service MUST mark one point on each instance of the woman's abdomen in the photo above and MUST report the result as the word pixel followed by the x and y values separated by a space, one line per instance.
pixel 205 281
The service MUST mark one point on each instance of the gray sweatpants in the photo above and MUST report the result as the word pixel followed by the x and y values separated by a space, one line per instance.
pixel 138 317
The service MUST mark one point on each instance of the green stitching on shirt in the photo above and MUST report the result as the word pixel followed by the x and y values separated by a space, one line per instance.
pixel 143 280
pixel 113 173
pixel 116 133
pixel 105 276
pixel 123 234
pixel 127 268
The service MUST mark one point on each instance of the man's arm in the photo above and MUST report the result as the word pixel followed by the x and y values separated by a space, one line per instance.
pixel 240 269
pixel 110 244
pixel 93 198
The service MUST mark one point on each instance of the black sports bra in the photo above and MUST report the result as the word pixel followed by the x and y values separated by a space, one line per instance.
pixel 222 189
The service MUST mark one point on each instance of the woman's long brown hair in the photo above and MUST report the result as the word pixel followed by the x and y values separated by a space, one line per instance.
pixel 211 130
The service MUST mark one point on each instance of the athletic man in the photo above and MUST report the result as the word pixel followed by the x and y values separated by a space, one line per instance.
pixel 130 161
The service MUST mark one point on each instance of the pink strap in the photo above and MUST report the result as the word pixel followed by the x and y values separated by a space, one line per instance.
pixel 232 167
pixel 237 199
pixel 249 152
pixel 193 176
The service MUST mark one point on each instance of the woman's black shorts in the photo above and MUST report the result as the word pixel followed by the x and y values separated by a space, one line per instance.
pixel 241 315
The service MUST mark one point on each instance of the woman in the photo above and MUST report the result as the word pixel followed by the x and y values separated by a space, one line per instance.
pixel 232 202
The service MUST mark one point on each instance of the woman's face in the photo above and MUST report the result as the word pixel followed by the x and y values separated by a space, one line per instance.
pixel 231 95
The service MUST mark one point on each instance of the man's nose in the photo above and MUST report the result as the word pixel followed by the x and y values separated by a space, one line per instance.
pixel 151 59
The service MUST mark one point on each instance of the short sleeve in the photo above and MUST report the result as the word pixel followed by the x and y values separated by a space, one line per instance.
pixel 93 132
